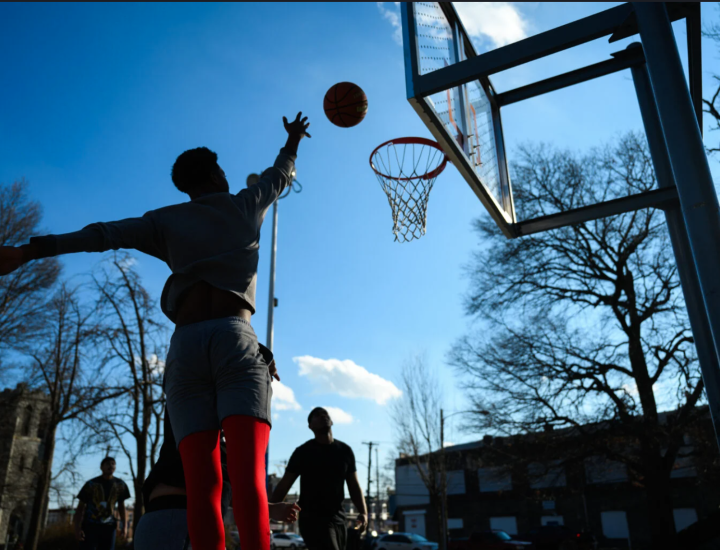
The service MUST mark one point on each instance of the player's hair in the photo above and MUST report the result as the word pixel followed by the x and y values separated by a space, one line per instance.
pixel 106 459
pixel 193 168
pixel 315 411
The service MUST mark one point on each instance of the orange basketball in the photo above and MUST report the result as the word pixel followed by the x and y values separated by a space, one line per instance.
pixel 345 104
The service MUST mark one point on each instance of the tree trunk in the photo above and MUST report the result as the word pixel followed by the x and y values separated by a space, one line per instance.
pixel 660 507
pixel 141 466
pixel 40 502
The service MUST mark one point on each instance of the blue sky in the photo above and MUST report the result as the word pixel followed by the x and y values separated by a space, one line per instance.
pixel 99 99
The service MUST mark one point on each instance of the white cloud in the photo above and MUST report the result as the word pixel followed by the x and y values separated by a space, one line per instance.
pixel 283 398
pixel 339 416
pixel 347 379
pixel 500 22
pixel 394 18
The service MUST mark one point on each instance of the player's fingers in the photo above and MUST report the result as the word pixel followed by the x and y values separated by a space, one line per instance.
pixel 298 116
pixel 308 135
pixel 285 122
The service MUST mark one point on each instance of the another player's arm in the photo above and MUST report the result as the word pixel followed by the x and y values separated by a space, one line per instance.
pixel 79 513
pixel 123 527
pixel 282 488
pixel 358 500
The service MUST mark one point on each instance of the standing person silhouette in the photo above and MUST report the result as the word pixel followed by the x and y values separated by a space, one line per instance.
pixel 95 521
pixel 215 376
pixel 324 464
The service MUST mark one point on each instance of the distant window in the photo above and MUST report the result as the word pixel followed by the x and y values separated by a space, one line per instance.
pixel 684 465
pixel 684 517
pixel 26 420
pixel 546 475
pixel 614 525
pixel 42 426
pixel 601 470
pixel 455 523
pixel 552 520
pixel 494 479
pixel 456 482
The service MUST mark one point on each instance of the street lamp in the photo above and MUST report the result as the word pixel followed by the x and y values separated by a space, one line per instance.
pixel 295 186
pixel 443 473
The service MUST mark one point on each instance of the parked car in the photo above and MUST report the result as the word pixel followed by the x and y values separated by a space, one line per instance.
pixel 286 540
pixel 558 537
pixel 404 541
pixel 489 540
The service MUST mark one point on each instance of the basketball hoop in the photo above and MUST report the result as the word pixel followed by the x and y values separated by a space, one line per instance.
pixel 406 169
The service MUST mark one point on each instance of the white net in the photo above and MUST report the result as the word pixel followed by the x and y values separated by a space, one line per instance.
pixel 407 169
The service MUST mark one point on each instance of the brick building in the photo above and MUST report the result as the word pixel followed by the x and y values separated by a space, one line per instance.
pixel 23 423
pixel 592 494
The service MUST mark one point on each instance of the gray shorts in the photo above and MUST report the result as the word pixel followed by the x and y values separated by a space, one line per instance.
pixel 162 530
pixel 214 369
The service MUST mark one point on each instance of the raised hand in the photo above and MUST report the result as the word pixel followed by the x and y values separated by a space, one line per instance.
pixel 297 127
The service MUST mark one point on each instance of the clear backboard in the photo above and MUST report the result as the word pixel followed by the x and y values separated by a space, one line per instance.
pixel 448 85
pixel 465 120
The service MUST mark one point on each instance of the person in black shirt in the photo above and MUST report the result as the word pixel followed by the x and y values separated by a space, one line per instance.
pixel 95 521
pixel 324 465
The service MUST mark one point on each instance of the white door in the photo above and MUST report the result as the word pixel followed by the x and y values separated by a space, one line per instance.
pixel 614 525
pixel 415 522
pixel 507 524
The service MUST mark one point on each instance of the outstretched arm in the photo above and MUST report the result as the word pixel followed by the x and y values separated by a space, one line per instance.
pixel 273 181
pixel 137 233
pixel 282 488
pixel 358 499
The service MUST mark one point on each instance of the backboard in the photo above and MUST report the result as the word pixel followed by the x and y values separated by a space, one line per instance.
pixel 448 84
pixel 465 119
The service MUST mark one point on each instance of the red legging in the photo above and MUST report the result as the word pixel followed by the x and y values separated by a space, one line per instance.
pixel 246 438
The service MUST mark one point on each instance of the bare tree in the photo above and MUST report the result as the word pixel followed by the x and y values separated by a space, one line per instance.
pixel 60 367
pixel 711 106
pixel 416 419
pixel 134 341
pixel 585 327
pixel 23 292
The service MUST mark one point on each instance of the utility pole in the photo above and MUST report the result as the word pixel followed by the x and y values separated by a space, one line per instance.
pixel 251 180
pixel 378 502
pixel 370 445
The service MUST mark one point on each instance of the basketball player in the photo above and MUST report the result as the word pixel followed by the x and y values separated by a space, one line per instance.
pixel 324 465
pixel 215 376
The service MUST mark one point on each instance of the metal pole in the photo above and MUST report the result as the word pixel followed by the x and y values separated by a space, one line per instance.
pixel 698 199
pixel 271 312
pixel 273 256
pixel 443 485
pixel 378 505
pixel 709 364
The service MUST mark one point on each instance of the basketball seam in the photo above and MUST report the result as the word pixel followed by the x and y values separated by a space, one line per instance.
pixel 346 93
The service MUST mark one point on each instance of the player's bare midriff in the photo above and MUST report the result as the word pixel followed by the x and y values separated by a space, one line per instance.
pixel 203 302
pixel 163 490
